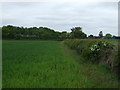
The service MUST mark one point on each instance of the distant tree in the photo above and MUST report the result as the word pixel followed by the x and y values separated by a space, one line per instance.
pixel 77 33
pixel 13 32
pixel 44 33
pixel 18 36
pixel 90 36
pixel 114 37
pixel 83 35
pixel 63 35
pixel 108 36
pixel 100 34
pixel 8 31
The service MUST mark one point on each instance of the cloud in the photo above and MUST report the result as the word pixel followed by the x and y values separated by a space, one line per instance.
pixel 91 16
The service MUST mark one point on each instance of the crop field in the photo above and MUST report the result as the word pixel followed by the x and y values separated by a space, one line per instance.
pixel 50 64
pixel 113 41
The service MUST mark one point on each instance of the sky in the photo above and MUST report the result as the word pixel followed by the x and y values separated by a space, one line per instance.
pixel 93 17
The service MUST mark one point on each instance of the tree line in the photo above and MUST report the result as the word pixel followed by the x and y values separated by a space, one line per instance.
pixel 107 36
pixel 44 33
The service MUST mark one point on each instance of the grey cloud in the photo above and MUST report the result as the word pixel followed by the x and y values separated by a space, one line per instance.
pixel 92 17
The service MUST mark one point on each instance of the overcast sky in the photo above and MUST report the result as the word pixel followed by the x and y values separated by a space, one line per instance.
pixel 62 16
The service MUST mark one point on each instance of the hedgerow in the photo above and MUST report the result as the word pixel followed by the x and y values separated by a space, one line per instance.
pixel 96 51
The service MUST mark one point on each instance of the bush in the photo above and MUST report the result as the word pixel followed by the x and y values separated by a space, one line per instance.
pixel 93 50
pixel 18 36
pixel 97 51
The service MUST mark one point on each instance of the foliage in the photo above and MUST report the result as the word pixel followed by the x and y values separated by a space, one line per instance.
pixel 77 33
pixel 93 50
pixel 64 35
pixel 13 32
pixel 44 33
pixel 108 36
pixel 106 52
pixel 90 36
pixel 117 57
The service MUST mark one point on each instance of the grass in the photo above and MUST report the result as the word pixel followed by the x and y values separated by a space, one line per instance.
pixel 113 41
pixel 50 64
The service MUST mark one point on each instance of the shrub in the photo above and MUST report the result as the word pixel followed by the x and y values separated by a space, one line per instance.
pixel 97 51
pixel 93 50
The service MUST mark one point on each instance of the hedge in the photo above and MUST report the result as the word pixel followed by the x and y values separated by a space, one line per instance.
pixel 97 51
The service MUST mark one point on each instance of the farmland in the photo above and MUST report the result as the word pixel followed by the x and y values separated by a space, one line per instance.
pixel 50 64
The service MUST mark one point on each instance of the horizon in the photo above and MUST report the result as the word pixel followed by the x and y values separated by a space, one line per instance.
pixel 65 31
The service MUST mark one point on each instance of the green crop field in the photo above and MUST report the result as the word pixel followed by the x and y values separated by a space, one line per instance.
pixel 114 41
pixel 50 64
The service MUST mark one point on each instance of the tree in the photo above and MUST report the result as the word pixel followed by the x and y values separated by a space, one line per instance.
pixel 8 31
pixel 77 33
pixel 14 32
pixel 108 36
pixel 63 35
pixel 90 36
pixel 100 34
pixel 18 36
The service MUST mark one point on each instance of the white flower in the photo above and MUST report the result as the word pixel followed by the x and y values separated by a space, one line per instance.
pixel 98 49
pixel 95 46
pixel 92 49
